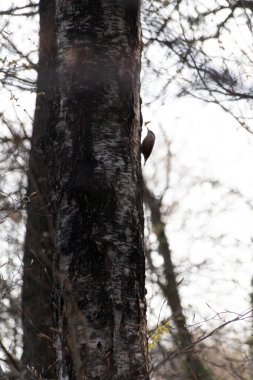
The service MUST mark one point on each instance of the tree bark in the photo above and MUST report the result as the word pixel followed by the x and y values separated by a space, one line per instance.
pixel 93 155
pixel 37 316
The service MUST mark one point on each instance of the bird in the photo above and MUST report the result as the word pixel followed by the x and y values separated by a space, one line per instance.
pixel 147 145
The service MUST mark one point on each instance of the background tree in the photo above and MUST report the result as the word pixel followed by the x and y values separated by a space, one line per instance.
pixel 37 317
pixel 193 368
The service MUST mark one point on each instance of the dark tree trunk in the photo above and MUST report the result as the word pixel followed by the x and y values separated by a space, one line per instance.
pixel 37 316
pixel 93 154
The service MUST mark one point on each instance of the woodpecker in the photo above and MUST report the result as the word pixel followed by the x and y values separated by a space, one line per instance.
pixel 147 145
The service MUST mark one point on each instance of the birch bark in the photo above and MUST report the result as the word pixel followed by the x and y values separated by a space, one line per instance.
pixel 93 154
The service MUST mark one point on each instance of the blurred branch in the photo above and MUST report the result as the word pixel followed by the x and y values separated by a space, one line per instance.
pixel 13 10
pixel 188 349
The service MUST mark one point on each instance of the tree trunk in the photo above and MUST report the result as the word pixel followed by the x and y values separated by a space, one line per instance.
pixel 37 316
pixel 92 148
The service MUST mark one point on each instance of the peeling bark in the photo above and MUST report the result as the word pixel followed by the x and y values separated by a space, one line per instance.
pixel 93 155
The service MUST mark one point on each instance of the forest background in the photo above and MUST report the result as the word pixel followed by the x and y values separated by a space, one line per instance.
pixel 196 97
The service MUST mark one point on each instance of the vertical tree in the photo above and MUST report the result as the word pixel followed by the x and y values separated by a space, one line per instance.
pixel 92 148
pixel 194 368
pixel 37 316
